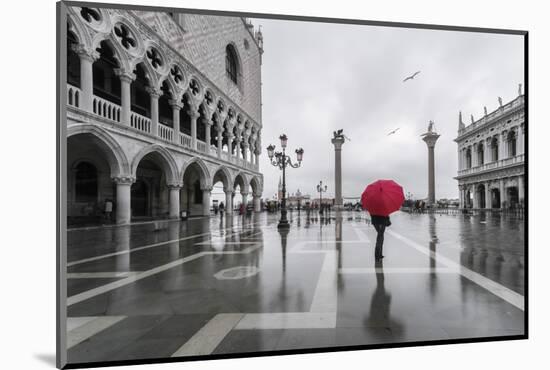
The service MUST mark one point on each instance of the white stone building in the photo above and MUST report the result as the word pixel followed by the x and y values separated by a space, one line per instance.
pixel 160 107
pixel 491 153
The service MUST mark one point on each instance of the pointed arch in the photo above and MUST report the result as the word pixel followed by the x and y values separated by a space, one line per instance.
pixel 224 175
pixel 167 162
pixel 242 180
pixel 116 157
pixel 256 185
pixel 205 179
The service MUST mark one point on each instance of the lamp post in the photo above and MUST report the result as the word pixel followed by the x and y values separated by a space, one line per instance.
pixel 281 160
pixel 320 190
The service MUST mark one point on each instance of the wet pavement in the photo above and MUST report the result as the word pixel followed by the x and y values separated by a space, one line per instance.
pixel 236 285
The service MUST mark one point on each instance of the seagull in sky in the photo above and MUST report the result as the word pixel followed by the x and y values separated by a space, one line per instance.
pixel 394 131
pixel 411 76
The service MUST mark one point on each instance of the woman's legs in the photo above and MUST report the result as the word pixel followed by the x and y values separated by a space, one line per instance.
pixel 379 240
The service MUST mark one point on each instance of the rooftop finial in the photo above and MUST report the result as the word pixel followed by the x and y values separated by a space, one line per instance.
pixel 519 90
pixel 485 110
pixel 460 122
pixel 500 101
pixel 472 118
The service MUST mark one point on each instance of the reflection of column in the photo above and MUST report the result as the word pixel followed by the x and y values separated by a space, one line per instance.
pixel 228 203
pixel 245 196
pixel 87 58
pixel 338 201
pixel 206 201
pixel 521 190
pixel 176 107
pixel 476 196
pixel 488 200
pixel 257 204
pixel 502 194
pixel 154 95
pixel 174 200
pixel 174 234
pixel 123 200
pixel 122 237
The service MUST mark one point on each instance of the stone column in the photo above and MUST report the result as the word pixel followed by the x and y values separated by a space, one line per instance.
pixel 207 125
pixel 338 201
pixel 228 202
pixel 194 115
pixel 503 146
pixel 220 139
pixel 176 107
pixel 430 138
pixel 154 95
pixel 245 152
pixel 460 197
pixel 257 203
pixel 521 139
pixel 238 146
pixel 174 200
pixel 459 164
pixel 487 153
pixel 87 58
pixel 476 196
pixel 521 190
pixel 126 79
pixel 488 199
pixel 206 201
pixel 123 199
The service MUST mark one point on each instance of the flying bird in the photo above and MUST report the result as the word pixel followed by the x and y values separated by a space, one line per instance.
pixel 394 131
pixel 412 76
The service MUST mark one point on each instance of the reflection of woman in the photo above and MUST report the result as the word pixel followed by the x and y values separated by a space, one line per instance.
pixel 379 314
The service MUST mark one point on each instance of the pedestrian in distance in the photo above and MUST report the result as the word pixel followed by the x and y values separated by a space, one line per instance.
pixel 108 209
pixel 221 207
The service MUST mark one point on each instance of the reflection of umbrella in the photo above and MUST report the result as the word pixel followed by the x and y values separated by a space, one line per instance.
pixel 382 197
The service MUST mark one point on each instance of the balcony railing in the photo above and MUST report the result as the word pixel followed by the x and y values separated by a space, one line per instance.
pixel 493 115
pixel 140 122
pixel 112 112
pixel 518 159
pixel 185 140
pixel 73 96
pixel 165 132
pixel 106 109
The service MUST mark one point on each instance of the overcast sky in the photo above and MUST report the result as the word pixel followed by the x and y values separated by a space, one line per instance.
pixel 320 77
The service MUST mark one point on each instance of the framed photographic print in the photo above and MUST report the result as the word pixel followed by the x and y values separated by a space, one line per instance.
pixel 238 184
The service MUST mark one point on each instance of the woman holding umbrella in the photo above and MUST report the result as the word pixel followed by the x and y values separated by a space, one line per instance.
pixel 380 199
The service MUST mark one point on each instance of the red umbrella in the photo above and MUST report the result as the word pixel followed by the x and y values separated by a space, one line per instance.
pixel 382 197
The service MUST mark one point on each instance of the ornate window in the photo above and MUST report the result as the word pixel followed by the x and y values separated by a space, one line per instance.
pixel 231 63
pixel 125 37
pixel 512 144
pixel 90 15
pixel 154 58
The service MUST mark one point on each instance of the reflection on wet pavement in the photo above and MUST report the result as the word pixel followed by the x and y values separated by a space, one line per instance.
pixel 236 285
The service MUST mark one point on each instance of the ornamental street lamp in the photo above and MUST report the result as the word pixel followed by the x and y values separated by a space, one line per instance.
pixel 281 160
pixel 320 190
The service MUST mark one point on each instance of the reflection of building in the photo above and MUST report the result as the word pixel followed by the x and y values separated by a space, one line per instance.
pixel 160 107
pixel 298 198
pixel 491 158
pixel 326 201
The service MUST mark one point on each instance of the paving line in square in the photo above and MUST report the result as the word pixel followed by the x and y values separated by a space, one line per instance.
pixel 497 289
pixel 142 275
pixel 287 320
pixel 90 328
pixel 399 270
pixel 101 275
pixel 132 250
pixel 205 341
